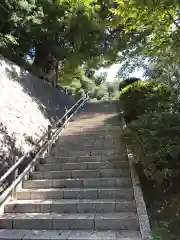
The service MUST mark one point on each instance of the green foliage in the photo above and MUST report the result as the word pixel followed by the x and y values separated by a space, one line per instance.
pixel 142 97
pixel 156 17
pixel 93 93
pixel 105 91
pixel 111 88
pixel 101 78
pixel 75 33
pixel 80 93
pixel 87 84
pixel 154 139
pixel 127 82
pixel 101 92
pixel 160 45
pixel 154 134
pixel 87 33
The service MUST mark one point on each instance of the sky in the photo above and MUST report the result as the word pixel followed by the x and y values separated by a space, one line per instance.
pixel 112 71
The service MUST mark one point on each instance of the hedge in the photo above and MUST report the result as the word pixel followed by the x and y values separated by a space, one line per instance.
pixel 142 97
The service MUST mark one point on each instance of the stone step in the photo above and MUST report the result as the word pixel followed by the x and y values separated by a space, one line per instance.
pixel 89 137
pixel 87 130
pixel 76 193
pixel 98 135
pixel 77 183
pixel 97 158
pixel 80 174
pixel 64 141
pixel 85 127
pixel 89 147
pixel 74 221
pixel 76 153
pixel 91 131
pixel 8 234
pixel 82 166
pixel 70 206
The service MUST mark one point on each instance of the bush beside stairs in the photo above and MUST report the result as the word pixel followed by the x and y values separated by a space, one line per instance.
pixel 80 190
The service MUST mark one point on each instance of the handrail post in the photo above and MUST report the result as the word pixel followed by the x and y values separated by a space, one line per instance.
pixel 49 136
pixel 66 110
pixel 49 132
pixel 15 174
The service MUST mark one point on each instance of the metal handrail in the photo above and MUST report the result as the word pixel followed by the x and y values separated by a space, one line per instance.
pixel 61 119
pixel 35 153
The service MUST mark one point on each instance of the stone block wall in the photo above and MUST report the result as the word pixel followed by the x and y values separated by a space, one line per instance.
pixel 27 106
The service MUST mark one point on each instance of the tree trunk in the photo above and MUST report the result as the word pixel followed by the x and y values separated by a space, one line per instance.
pixel 41 55
pixel 57 73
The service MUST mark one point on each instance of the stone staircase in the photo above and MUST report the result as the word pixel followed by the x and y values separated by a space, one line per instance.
pixel 80 190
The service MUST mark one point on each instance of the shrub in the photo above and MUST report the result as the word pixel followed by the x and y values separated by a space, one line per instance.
pixel 101 92
pixel 154 139
pixel 93 93
pixel 127 82
pixel 80 93
pixel 142 97
pixel 70 90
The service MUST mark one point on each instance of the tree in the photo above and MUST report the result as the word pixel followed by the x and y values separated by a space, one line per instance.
pixel 101 78
pixel 127 82
pixel 101 92
pixel 112 89
pixel 75 33
pixel 87 84
pixel 157 17
pixel 161 38
pixel 86 32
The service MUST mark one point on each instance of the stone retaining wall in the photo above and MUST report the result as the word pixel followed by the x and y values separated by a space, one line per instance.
pixel 27 106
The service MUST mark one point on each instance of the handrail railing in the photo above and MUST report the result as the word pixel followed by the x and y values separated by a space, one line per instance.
pixel 32 155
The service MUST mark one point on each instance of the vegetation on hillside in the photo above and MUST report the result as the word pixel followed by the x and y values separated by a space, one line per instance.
pixel 152 134
pixel 127 82
pixel 96 90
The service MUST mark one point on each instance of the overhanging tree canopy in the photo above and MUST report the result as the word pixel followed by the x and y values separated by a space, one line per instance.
pixel 75 32
pixel 87 32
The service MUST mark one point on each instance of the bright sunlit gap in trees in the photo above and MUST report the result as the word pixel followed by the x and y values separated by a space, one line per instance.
pixel 113 70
